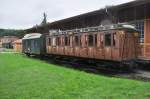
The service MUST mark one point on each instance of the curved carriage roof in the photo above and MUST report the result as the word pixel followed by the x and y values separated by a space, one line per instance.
pixel 122 26
pixel 32 36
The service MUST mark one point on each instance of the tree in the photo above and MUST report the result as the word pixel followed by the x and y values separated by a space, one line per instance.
pixel 12 32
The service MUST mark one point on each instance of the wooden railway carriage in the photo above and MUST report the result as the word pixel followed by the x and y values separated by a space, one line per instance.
pixel 34 44
pixel 114 43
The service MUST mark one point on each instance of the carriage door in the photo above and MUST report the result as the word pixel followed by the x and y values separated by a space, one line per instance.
pixel 62 45
pixel 84 43
pixel 107 48
pixel 71 51
pixel 90 46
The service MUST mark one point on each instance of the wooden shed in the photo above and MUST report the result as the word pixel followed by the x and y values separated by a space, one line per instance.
pixel 17 45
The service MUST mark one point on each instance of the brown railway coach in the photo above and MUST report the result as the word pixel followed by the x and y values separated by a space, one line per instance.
pixel 114 43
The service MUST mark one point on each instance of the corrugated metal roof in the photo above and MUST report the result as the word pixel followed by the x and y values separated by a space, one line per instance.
pixel 96 12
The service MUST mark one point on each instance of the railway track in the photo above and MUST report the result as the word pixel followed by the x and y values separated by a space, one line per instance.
pixel 99 69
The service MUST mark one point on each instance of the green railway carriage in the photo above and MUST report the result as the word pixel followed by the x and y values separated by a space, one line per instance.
pixel 34 44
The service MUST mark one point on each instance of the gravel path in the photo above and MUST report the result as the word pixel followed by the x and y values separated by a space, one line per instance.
pixel 2 49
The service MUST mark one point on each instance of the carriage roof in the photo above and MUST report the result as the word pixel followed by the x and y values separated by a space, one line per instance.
pixel 96 29
pixel 32 36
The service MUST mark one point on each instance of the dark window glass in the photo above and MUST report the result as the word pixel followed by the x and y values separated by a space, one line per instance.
pixel 76 40
pixel 90 40
pixel 58 41
pixel 67 41
pixel 95 39
pixel 49 43
pixel 107 39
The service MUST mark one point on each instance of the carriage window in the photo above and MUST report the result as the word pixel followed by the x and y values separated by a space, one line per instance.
pixel 49 42
pixel 90 40
pixel 54 41
pixel 95 39
pixel 32 43
pixel 36 44
pixel 80 41
pixel 114 39
pixel 107 39
pixel 58 41
pixel 76 40
pixel 101 41
pixel 67 41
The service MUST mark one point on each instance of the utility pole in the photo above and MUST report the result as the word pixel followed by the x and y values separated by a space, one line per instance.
pixel 44 24
pixel 44 19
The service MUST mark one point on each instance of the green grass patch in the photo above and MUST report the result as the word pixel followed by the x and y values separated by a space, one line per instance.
pixel 26 78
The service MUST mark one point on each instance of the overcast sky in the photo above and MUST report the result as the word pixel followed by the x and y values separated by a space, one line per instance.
pixel 21 14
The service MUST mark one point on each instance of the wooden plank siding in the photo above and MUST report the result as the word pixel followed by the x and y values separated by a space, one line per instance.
pixel 147 38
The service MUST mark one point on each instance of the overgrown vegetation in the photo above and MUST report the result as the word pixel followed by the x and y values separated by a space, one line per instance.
pixel 25 78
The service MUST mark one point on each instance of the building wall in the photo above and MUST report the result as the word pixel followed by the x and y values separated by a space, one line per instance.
pixel 7 41
pixel 147 38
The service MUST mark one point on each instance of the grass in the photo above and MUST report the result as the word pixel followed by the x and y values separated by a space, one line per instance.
pixel 25 78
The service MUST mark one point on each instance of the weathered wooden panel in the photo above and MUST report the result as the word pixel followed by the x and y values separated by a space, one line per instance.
pixel 91 52
pixel 147 39
pixel 62 51
pixel 99 54
pixel 147 31
pixel 84 52
pixel 77 51
pixel 108 53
